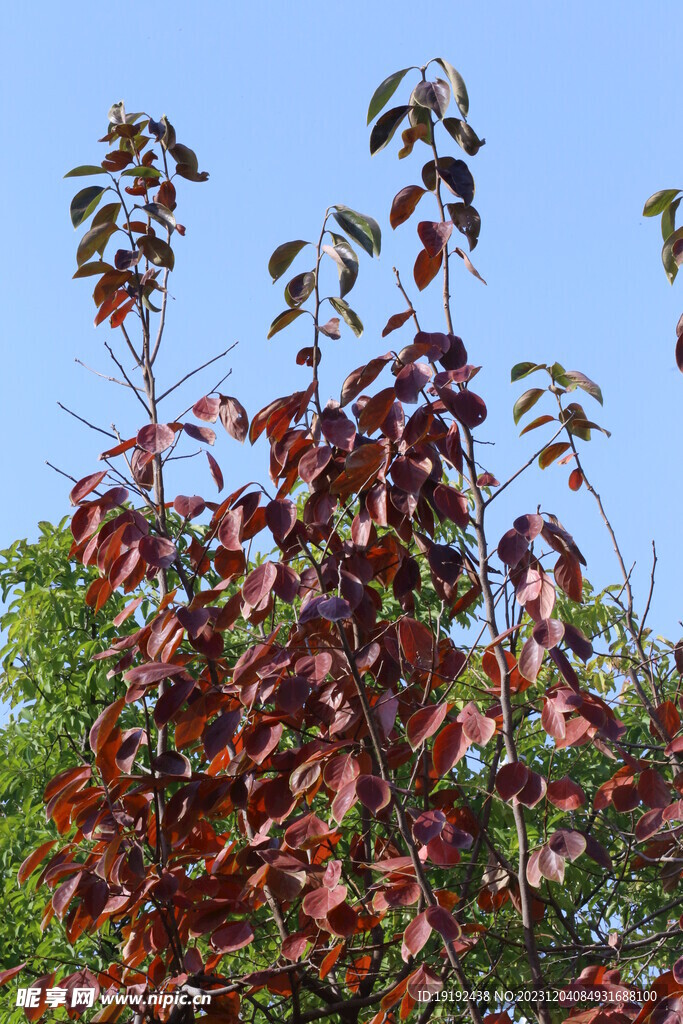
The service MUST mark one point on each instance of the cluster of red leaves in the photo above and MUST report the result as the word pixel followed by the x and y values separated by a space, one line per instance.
pixel 308 713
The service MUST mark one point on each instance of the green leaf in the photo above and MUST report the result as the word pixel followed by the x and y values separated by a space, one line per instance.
pixel 465 136
pixel 525 402
pixel 364 230
pixel 457 85
pixel 94 241
pixel 658 202
pixel 670 265
pixel 85 169
pixel 90 269
pixel 106 214
pixel 299 288
pixel 552 452
pixel 669 218
pixel 186 163
pixel 283 257
pixel 141 172
pixel 84 203
pixel 587 425
pixel 352 319
pixel 347 263
pixel 421 116
pixel 282 320
pixel 149 305
pixel 580 380
pixel 384 92
pixel 157 251
pixel 559 375
pixel 520 370
pixel 383 132
pixel 159 213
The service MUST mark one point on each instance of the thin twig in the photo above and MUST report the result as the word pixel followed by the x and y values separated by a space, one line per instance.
pixel 107 433
pixel 136 391
pixel 192 372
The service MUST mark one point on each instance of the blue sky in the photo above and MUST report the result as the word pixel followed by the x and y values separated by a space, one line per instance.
pixel 578 105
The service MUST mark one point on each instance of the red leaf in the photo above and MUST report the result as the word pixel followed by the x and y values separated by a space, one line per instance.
pixel 415 936
pixel 512 547
pixel 567 844
pixel 232 937
pixel 207 409
pixel 568 576
pixel 452 504
pixel 104 725
pixel 550 865
pixel 466 406
pixel 396 321
pixel 533 872
pixel 416 642
pixel 215 471
pixel 469 264
pixel 10 973
pixel 118 449
pixel 205 434
pixel 652 789
pixel 566 794
pixel 434 236
pixel 548 633
pixel 359 379
pixel 678 966
pixel 529 526
pixel 262 741
pixel 533 792
pixel 374 793
pixel 280 518
pixel 331 328
pixel 338 429
pixel 154 672
pixel 428 826
pixel 449 747
pixel 404 203
pixel 530 659
pixel 511 779
pixel 233 417
pixel 155 437
pixel 344 801
pixel 477 727
pixel 360 469
pixel 426 268
pixel 320 902
pixel 649 824
pixel 669 719
pixel 293 947
pixel 27 868
pixel 86 485
pixel 443 922
pixel 411 380
pixel 159 552
pixel 575 479
pixel 121 313
pixel 259 583
pixel 189 507
pixel 424 723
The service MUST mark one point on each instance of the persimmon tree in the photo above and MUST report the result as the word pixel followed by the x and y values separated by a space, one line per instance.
pixel 357 753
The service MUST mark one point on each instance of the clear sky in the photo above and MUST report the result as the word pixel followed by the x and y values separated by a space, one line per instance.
pixel 578 104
